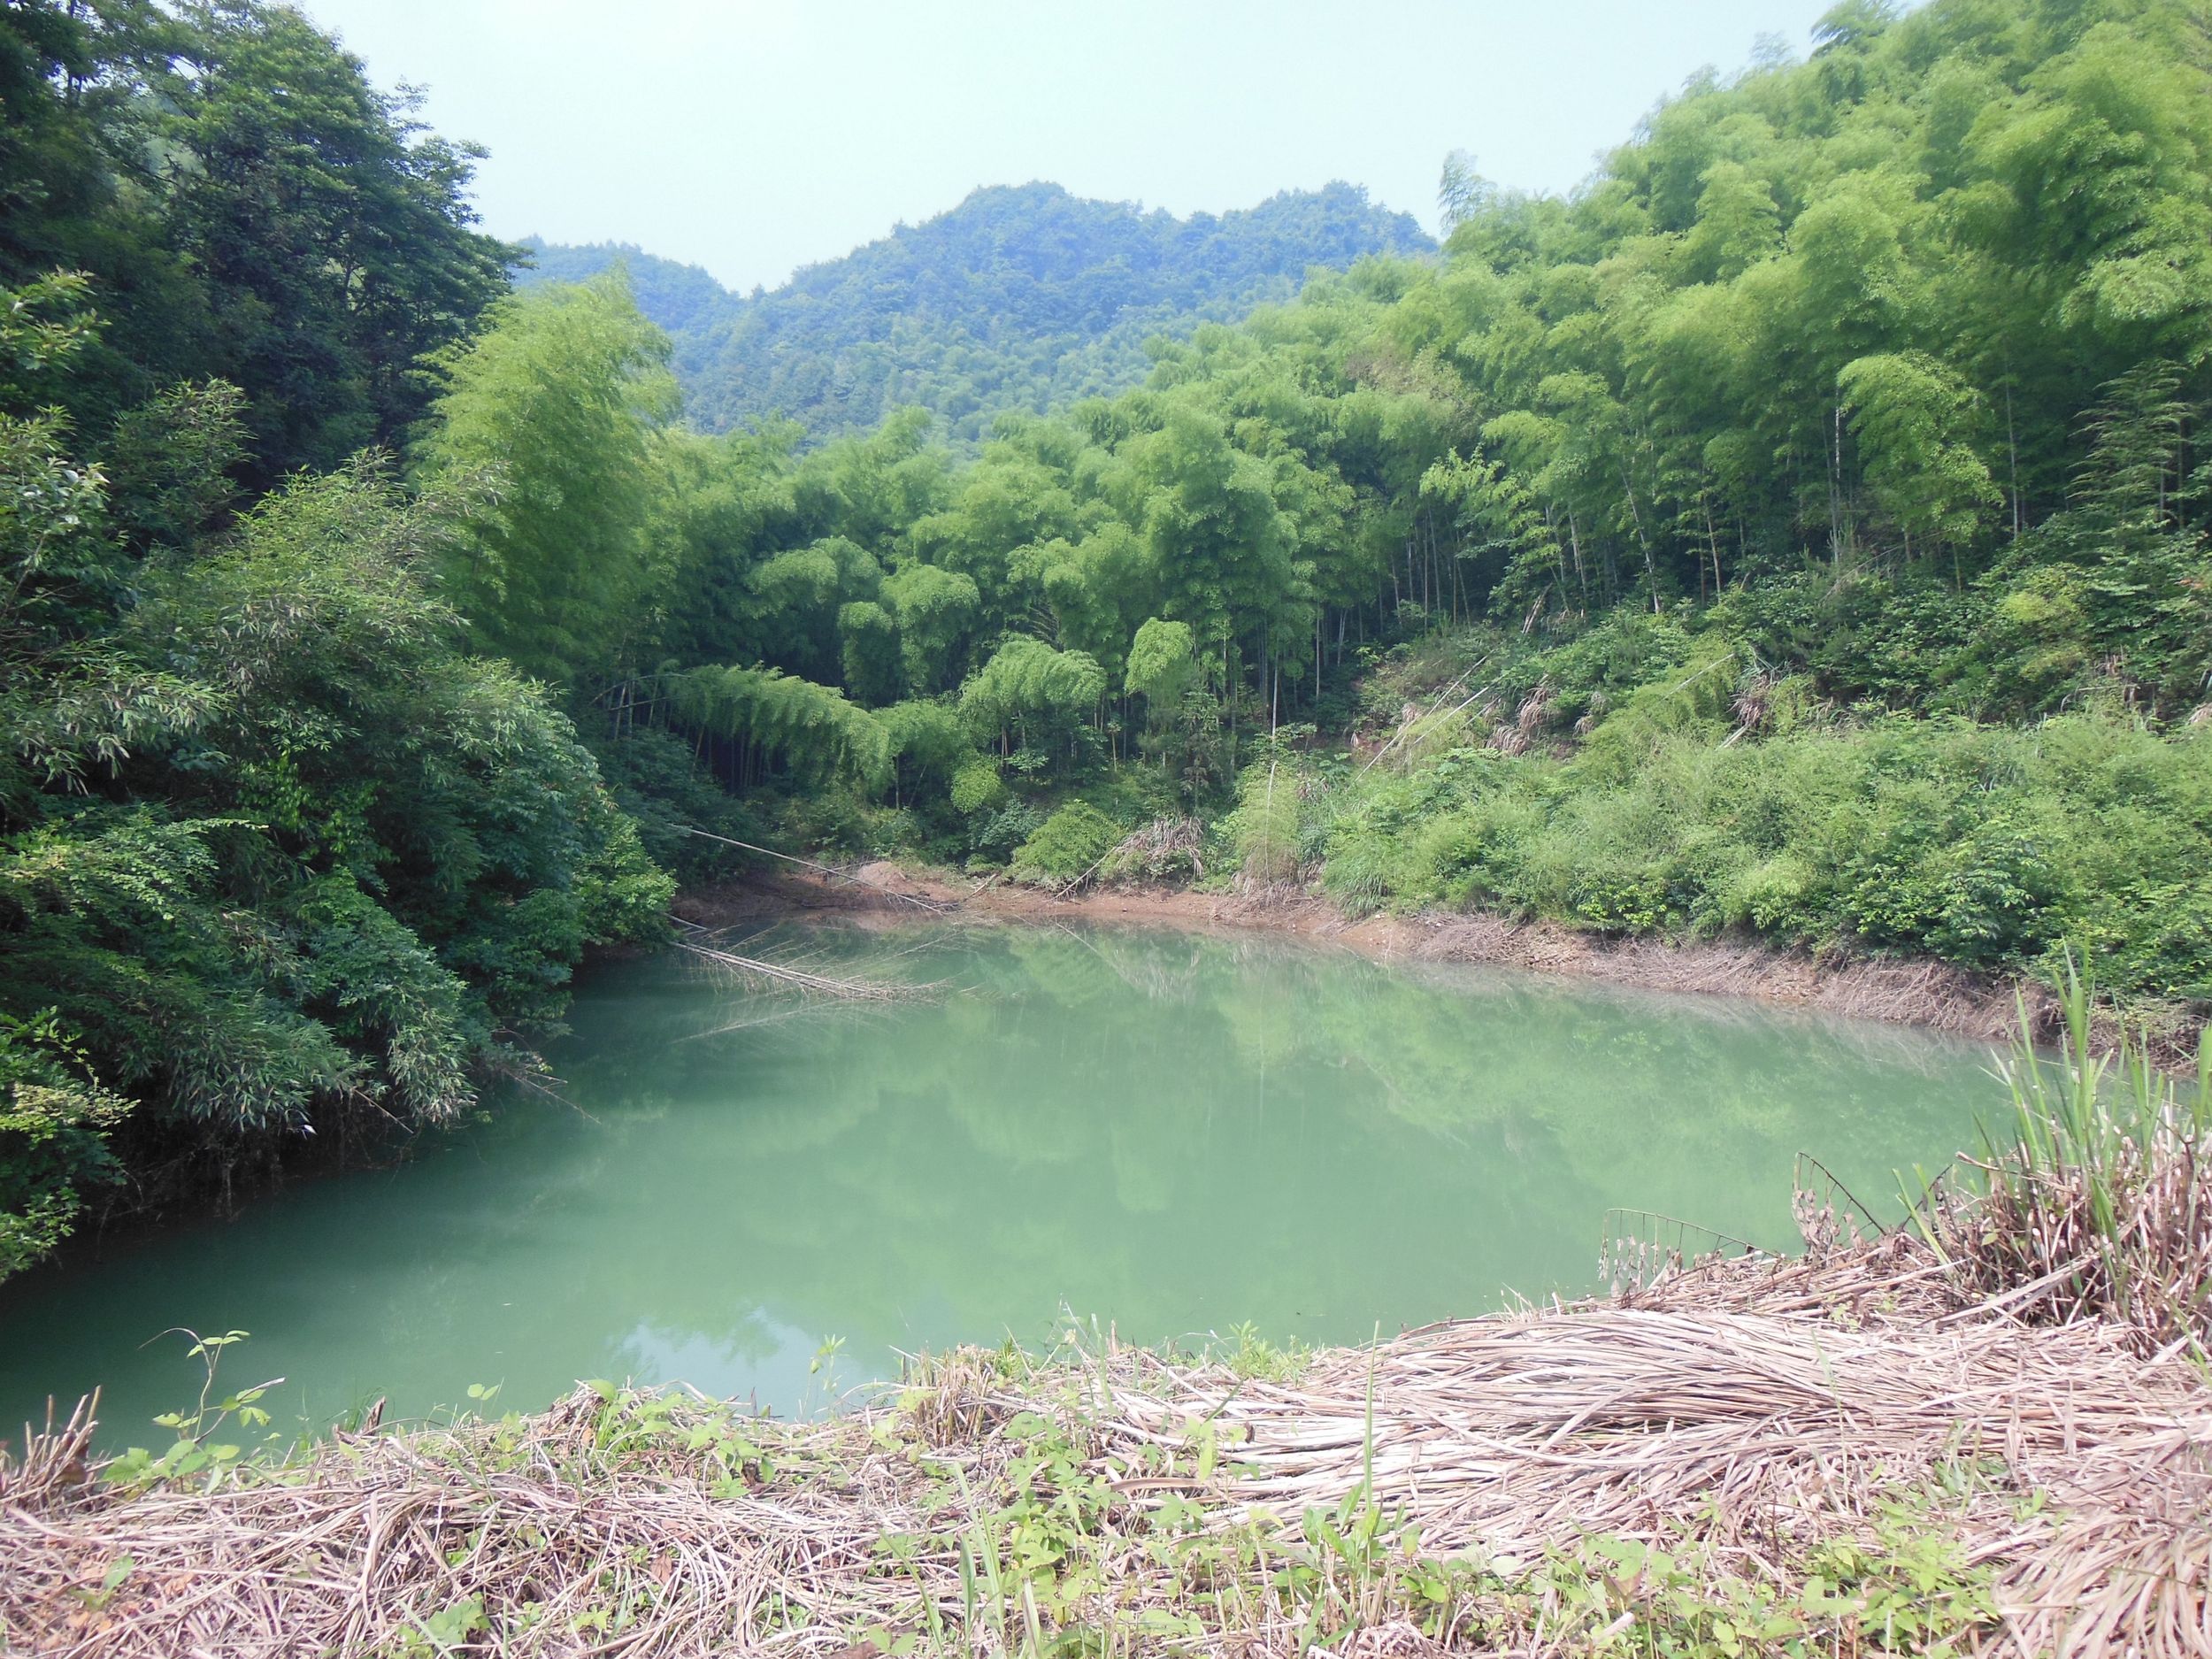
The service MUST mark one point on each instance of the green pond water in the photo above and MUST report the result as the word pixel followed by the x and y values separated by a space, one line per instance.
pixel 1175 1133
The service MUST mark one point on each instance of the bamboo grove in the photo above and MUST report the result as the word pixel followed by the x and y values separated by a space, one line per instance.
pixel 1800 529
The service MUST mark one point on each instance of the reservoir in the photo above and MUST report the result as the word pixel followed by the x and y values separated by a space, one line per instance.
pixel 1169 1134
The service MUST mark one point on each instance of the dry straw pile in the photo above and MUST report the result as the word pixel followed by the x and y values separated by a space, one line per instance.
pixel 1749 1418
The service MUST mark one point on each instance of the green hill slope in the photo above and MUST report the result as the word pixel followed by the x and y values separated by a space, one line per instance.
pixel 1021 298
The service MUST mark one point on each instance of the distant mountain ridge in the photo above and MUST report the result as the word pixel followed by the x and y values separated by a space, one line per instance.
pixel 1023 296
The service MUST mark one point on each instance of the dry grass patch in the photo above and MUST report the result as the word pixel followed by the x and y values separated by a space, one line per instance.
pixel 1844 1454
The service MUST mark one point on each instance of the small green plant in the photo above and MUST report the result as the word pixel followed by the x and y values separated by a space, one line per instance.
pixel 821 1370
pixel 195 1450
pixel 111 1583
pixel 452 1629
pixel 1252 1357
pixel 1263 829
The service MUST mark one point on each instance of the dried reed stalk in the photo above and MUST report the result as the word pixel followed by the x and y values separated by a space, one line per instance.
pixel 1759 1406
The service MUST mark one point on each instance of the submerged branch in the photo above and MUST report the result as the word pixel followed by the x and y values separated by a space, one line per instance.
pixel 800 979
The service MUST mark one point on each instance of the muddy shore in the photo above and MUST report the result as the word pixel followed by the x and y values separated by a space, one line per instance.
pixel 1934 995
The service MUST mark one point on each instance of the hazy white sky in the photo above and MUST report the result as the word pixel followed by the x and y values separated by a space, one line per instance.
pixel 751 136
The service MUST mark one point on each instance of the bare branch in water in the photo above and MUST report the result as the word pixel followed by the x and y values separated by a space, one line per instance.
pixel 800 979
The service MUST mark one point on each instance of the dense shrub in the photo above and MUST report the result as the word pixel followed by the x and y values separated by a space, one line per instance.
pixel 977 787
pixel 1990 846
pixel 272 846
pixel 1066 844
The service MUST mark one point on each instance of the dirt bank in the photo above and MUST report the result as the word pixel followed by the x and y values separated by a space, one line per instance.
pixel 1899 990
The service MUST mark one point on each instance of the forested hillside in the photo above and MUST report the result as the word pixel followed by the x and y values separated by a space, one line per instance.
pixel 1797 533
pixel 1800 530
pixel 277 851
pixel 682 301
pixel 1020 298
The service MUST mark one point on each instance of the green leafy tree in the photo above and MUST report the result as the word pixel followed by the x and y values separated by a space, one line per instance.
pixel 272 847
pixel 1162 666
pixel 935 610
pixel 1913 418
pixel 1028 696
pixel 547 427
pixel 930 747
pixel 332 234
pixel 777 718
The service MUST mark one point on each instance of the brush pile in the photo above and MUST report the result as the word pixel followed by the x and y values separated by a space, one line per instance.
pixel 1843 1448
pixel 1167 848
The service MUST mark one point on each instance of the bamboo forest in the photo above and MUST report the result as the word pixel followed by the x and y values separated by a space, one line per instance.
pixel 1103 932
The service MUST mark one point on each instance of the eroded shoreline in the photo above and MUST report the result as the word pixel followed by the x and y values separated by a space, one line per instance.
pixel 1909 991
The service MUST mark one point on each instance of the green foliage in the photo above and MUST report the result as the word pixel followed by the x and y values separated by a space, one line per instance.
pixel 936 610
pixel 1989 848
pixel 1912 417
pixel 197 1454
pixel 2088 1200
pixel 1793 326
pixel 270 846
pixel 331 235
pixel 1263 829
pixel 53 1119
pixel 1022 297
pixel 871 652
pixel 273 846
pixel 1250 1357
pixel 678 299
pixel 247 206
pixel 977 787
pixel 930 747
pixel 543 433
pixel 1162 666
pixel 173 457
pixel 657 784
pixel 1066 845
pixel 994 835
pixel 1028 692
pixel 810 729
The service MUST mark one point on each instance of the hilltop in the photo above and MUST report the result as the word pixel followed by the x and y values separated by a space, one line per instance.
pixel 1022 298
